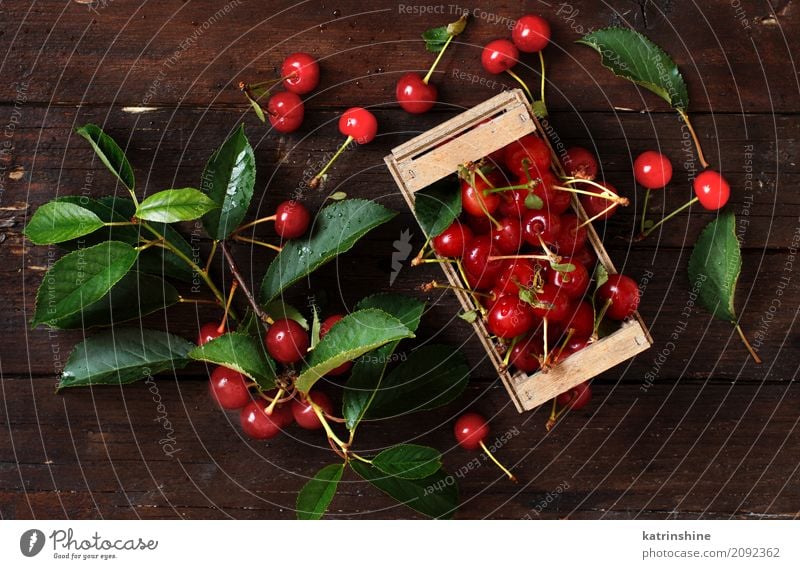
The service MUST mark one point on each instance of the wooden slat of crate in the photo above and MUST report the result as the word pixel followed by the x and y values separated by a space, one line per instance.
pixel 470 136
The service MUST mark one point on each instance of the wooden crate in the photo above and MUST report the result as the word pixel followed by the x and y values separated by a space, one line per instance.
pixel 468 137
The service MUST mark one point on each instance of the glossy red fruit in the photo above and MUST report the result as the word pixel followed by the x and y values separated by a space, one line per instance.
pixel 480 225
pixel 229 388
pixel 555 201
pixel 525 355
pixel 304 414
pixel 452 242
pixel 208 332
pixel 596 204
pixel 287 341
pixel 563 352
pixel 507 238
pixel 414 95
pixel 652 170
pixel 301 72
pixel 538 223
pixel 470 430
pixel 258 425
pixel 574 283
pixel 285 111
pixel 572 237
pixel 585 257
pixel 580 163
pixel 577 397
pixel 623 293
pixel 516 273
pixel 512 203
pixel 472 195
pixel 580 320
pixel 531 149
pixel 291 219
pixel 551 303
pixel 510 317
pixel 324 328
pixel 360 124
pixel 531 33
pixel 499 55
pixel 712 190
pixel 477 263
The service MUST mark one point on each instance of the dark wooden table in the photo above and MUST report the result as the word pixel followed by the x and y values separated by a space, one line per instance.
pixel 715 436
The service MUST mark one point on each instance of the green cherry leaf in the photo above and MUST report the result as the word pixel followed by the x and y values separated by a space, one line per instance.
pixel 436 38
pixel 368 370
pixel 277 310
pixel 241 352
pixel 337 196
pixel 532 201
pixel 470 316
pixel 409 461
pixel 354 335
pixel 630 55
pixel 228 179
pixel 169 206
pixel 562 267
pixel 256 107
pixel 336 229
pixel 81 278
pixel 316 495
pixel 109 153
pixel 431 376
pixel 435 496
pixel 123 356
pixel 600 275
pixel 714 267
pixel 438 205
pixel 56 222
pixel 133 297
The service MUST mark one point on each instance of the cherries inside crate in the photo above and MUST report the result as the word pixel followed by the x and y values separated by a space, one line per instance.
pixel 458 146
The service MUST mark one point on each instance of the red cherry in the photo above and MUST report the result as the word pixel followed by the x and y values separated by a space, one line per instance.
pixel 551 303
pixel 574 283
pixel 324 328
pixel 652 170
pixel 531 33
pixel 470 430
pixel 360 124
pixel 507 238
pixel 577 397
pixel 581 321
pixel 477 263
pixel 580 163
pixel 473 195
pixel 208 332
pixel 596 204
pixel 287 341
pixel 531 149
pixel 539 223
pixel 516 273
pixel 555 201
pixel 623 293
pixel 525 355
pixel 301 72
pixel 229 388
pixel 512 203
pixel 452 242
pixel 712 190
pixel 304 414
pixel 499 55
pixel 586 257
pixel 510 317
pixel 285 111
pixel 480 225
pixel 258 425
pixel 291 219
pixel 414 95
pixel 572 237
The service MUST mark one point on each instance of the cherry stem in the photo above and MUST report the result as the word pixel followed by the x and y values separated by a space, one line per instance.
pixel 438 58
pixel 480 198
pixel 599 319
pixel 254 223
pixel 221 327
pixel 497 462
pixel 274 403
pixel 521 82
pixel 416 263
pixel 421 255
pixel 541 65
pixel 606 195
pixel 570 332
pixel 747 344
pixel 546 355
pixel 197 301
pixel 263 316
pixel 147 244
pixel 551 421
pixel 119 223
pixel 464 278
pixel 211 256
pixel 552 257
pixel 644 210
pixel 696 140
pixel 531 256
pixel 597 216
pixel 256 242
pixel 320 413
pixel 509 350
pixel 315 181
pixel 508 188
pixel 427 287
pixel 668 217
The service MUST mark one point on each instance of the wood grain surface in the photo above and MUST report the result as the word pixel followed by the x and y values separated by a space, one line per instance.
pixel 690 429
